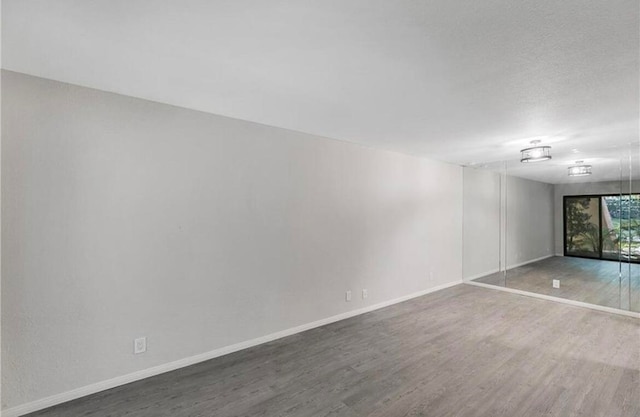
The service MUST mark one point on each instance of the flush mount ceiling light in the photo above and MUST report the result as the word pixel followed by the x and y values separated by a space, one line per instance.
pixel 579 170
pixel 536 153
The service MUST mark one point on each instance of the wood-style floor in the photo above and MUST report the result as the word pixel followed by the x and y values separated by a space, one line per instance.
pixel 593 281
pixel 464 351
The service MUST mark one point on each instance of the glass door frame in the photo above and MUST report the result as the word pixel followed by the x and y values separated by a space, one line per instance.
pixel 601 240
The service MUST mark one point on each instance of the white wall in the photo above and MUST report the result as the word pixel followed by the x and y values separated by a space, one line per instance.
pixel 123 218
pixel 585 188
pixel 506 222
pixel 482 222
pixel 529 222
pixel 1 402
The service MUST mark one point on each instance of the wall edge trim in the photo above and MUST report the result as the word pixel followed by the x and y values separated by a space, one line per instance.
pixel 94 388
pixel 493 271
pixel 558 300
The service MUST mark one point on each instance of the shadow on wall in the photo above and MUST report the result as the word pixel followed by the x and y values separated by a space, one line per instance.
pixel 124 218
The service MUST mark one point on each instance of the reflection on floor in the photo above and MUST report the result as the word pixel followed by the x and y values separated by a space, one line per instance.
pixel 593 281
pixel 463 351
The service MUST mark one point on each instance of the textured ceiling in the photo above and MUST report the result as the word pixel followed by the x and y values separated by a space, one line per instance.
pixel 464 81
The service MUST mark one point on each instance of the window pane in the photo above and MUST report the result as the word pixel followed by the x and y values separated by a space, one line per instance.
pixel 611 217
pixel 582 226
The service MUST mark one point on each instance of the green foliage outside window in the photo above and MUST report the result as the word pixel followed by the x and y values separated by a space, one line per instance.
pixel 578 221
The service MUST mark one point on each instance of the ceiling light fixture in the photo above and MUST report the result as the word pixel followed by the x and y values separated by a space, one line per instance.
pixel 579 170
pixel 536 153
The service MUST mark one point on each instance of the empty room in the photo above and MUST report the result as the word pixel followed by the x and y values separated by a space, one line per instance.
pixel 342 208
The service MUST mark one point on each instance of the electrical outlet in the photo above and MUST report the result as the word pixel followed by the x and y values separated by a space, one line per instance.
pixel 140 345
pixel 365 294
pixel 347 296
pixel 556 283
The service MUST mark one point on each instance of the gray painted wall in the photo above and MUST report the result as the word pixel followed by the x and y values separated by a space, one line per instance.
pixel 1 402
pixel 529 223
pixel 124 218
pixel 482 222
pixel 505 223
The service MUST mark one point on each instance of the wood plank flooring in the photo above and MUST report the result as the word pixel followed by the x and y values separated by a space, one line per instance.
pixel 464 351
pixel 592 281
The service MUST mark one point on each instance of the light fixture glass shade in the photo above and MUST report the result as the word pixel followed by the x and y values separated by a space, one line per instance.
pixel 536 153
pixel 579 170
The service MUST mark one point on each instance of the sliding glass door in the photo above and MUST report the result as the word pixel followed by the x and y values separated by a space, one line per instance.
pixel 602 227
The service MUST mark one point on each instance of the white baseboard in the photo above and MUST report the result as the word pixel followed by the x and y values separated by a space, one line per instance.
pixel 493 271
pixel 557 299
pixel 160 369
pixel 530 261
pixel 483 274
